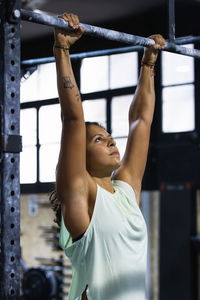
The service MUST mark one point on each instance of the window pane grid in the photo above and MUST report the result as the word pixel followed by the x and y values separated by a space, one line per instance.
pixel 111 72
pixel 28 165
pixel 98 66
pixel 49 124
pixel 176 68
pixel 95 111
pixel 120 107
pixel 178 111
pixel 40 85
pixel 123 70
pixel 28 126
pixel 44 151
pixel 48 158
pixel 178 100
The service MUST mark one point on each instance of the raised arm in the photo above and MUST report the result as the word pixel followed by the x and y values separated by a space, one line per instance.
pixel 140 119
pixel 71 179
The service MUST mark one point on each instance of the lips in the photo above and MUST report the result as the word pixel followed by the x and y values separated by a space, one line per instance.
pixel 115 153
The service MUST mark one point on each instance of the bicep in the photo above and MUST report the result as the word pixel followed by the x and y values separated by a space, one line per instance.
pixel 75 205
pixel 75 212
pixel 72 157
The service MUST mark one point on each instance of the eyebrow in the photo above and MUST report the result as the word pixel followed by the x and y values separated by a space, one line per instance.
pixel 100 134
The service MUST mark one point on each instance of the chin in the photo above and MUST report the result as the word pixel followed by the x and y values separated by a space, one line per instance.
pixel 118 162
pixel 117 165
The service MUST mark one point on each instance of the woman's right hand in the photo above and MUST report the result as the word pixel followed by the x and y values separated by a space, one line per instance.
pixel 62 37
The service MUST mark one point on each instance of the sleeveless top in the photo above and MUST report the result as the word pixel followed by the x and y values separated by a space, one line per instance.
pixel 110 258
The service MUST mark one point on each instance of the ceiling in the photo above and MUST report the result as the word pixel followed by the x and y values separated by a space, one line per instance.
pixel 92 12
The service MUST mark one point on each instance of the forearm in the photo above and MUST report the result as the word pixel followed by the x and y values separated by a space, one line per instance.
pixel 69 95
pixel 142 106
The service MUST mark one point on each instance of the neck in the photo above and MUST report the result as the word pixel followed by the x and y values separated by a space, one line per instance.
pixel 105 182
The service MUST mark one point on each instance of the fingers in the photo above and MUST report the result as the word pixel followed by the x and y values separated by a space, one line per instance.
pixel 151 52
pixel 159 41
pixel 71 34
pixel 72 20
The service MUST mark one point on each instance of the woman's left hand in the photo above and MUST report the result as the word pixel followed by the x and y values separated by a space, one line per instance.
pixel 151 52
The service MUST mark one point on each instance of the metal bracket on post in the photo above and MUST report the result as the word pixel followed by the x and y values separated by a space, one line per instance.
pixel 11 143
pixel 13 12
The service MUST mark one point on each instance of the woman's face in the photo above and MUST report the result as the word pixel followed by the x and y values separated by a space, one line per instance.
pixel 102 155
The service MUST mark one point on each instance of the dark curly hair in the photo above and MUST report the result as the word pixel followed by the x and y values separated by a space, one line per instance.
pixel 54 201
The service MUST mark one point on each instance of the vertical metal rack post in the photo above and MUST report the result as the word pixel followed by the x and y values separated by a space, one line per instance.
pixel 178 261
pixel 10 146
pixel 171 21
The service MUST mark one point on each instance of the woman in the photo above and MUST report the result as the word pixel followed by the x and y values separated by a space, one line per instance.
pixel 102 229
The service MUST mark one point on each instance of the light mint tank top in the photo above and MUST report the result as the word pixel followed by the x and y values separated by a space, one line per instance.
pixel 111 255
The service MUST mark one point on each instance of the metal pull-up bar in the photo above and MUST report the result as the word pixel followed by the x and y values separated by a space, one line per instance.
pixel 100 32
pixel 90 30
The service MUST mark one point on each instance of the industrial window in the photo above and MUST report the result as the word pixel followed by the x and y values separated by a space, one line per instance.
pixel 178 99
pixel 120 108
pixel 28 129
pixel 107 86
pixel 39 83
pixel 108 72
pixel 94 74
pixel 95 111
pixel 49 139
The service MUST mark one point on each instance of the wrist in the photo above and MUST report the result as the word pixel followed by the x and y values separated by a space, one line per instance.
pixel 150 64
pixel 62 42
pixel 65 48
pixel 149 59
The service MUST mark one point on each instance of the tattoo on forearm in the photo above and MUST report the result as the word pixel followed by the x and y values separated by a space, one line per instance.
pixel 67 83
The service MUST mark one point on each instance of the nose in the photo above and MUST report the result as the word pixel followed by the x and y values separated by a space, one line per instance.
pixel 111 142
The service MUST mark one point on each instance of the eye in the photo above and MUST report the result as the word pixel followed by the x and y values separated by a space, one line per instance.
pixel 98 139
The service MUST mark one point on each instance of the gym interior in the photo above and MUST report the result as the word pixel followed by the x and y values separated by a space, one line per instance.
pixel 33 266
